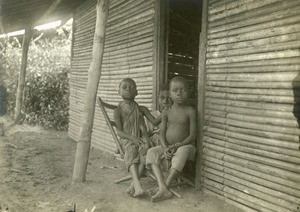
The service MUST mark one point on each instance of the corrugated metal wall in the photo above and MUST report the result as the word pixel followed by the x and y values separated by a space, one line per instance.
pixel 251 133
pixel 128 53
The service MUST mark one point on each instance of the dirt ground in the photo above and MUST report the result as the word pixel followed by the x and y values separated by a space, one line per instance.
pixel 36 169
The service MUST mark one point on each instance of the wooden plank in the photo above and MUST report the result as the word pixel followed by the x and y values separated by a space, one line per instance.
pixel 274 18
pixel 239 7
pixel 268 9
pixel 201 90
pixel 260 133
pixel 255 169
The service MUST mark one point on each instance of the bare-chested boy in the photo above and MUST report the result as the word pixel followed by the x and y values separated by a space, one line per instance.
pixel 177 138
pixel 164 103
pixel 131 128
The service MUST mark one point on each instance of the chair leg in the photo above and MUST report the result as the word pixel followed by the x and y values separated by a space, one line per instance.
pixel 187 181
pixel 176 194
pixel 126 178
pixel 123 179
pixel 181 180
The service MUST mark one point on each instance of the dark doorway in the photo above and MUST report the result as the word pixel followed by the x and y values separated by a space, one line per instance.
pixel 184 25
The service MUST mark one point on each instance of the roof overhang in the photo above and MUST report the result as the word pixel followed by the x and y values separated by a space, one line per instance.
pixel 20 14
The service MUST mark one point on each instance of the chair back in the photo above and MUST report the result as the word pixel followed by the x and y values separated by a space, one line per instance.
pixel 111 124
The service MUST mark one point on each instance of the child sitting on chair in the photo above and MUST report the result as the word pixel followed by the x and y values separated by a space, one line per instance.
pixel 177 138
pixel 131 128
pixel 164 103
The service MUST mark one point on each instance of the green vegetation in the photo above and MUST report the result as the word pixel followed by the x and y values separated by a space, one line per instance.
pixel 46 95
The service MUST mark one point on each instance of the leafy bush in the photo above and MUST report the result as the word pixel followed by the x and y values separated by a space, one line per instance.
pixel 46 101
pixel 46 94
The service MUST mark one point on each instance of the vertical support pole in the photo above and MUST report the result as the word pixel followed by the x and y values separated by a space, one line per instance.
pixel 201 92
pixel 1 25
pixel 160 47
pixel 94 74
pixel 22 75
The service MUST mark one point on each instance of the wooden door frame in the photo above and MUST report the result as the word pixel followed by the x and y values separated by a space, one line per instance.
pixel 160 69
pixel 201 92
pixel 160 44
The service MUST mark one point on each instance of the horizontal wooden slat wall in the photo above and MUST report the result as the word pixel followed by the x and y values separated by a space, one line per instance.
pixel 251 153
pixel 128 53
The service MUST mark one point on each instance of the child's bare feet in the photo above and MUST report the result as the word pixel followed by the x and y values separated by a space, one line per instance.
pixel 152 191
pixel 161 195
pixel 130 190
pixel 138 191
pixel 135 192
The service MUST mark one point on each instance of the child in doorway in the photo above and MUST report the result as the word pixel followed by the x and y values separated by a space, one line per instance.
pixel 177 138
pixel 164 103
pixel 131 128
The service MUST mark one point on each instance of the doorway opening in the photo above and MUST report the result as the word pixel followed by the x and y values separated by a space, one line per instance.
pixel 182 42
pixel 178 49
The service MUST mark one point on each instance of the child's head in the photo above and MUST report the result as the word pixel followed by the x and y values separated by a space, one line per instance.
pixel 127 89
pixel 179 89
pixel 164 101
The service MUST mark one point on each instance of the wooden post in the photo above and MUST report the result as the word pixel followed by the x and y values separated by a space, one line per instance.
pixel 160 54
pixel 1 24
pixel 25 47
pixel 201 91
pixel 22 75
pixel 84 142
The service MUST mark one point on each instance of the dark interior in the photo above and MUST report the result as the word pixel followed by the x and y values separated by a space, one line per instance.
pixel 183 42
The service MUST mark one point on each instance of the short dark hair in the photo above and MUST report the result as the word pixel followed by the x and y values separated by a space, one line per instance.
pixel 127 80
pixel 164 87
pixel 180 79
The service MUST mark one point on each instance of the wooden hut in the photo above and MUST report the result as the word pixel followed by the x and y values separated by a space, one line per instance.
pixel 246 89
pixel 135 46
pixel 251 132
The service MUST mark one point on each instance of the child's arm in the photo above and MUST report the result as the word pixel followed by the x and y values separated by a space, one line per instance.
pixel 193 131
pixel 163 130
pixel 119 128
pixel 162 135
pixel 145 111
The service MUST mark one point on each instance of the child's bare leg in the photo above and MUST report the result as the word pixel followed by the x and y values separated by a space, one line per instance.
pixel 172 176
pixel 138 190
pixel 163 192
pixel 141 169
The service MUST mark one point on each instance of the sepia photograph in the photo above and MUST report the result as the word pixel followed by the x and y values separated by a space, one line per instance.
pixel 149 105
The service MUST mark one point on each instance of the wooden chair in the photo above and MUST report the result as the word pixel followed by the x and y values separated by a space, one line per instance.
pixel 111 125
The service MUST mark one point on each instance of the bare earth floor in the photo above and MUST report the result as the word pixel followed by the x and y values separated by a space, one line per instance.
pixel 36 172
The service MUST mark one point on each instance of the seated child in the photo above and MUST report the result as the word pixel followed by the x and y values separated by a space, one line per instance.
pixel 164 103
pixel 177 138
pixel 131 129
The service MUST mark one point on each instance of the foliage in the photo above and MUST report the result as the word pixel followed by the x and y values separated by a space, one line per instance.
pixel 45 100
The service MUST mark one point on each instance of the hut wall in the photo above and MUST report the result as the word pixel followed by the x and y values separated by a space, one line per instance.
pixel 128 53
pixel 251 153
